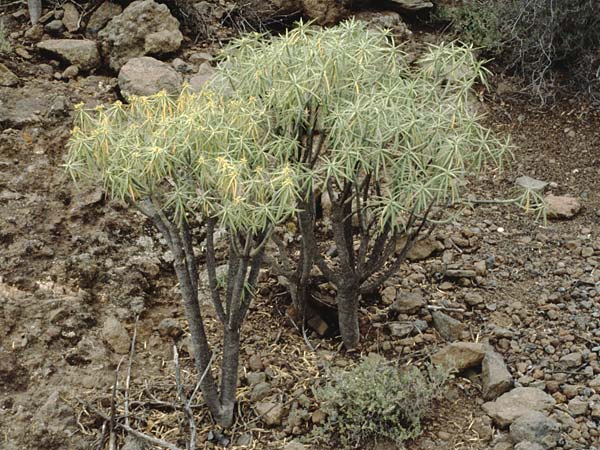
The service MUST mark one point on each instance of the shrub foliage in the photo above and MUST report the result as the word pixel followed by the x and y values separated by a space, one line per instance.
pixel 377 400
pixel 547 42
pixel 385 140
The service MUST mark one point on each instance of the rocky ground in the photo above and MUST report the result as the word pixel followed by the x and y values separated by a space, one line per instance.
pixel 512 301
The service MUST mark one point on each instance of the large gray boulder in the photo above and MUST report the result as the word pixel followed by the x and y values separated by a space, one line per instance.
pixel 82 53
pixel 147 76
pixel 496 378
pixel 514 404
pixel 143 28
pixel 535 427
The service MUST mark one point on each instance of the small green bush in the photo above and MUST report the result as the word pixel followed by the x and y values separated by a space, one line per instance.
pixel 536 39
pixel 377 400
pixel 474 22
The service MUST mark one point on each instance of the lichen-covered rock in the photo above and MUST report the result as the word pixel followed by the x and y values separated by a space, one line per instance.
pixel 115 335
pixel 70 17
pixel 7 78
pixel 390 20
pixel 147 76
pixel 143 28
pixel 80 52
pixel 99 18
pixel 496 378
pixel 535 427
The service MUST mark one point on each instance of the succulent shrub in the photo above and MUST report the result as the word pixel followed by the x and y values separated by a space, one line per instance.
pixel 389 142
pixel 377 400
pixel 192 164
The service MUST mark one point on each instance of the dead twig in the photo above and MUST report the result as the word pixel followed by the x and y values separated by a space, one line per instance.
pixel 588 340
pixel 112 442
pixel 18 2
pixel 200 380
pixel 186 403
pixel 103 436
pixel 444 308
pixel 151 439
pixel 310 346
pixel 128 380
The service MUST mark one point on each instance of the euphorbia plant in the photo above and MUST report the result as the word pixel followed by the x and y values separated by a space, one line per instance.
pixel 389 141
pixel 192 164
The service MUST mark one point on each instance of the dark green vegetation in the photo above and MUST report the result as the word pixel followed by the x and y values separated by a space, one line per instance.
pixel 546 42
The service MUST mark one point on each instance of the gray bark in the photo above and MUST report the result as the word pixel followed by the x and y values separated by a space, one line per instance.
pixel 35 10
pixel 347 303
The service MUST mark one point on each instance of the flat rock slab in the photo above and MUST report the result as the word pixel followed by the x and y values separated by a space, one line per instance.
pixel 80 52
pixel 561 207
pixel 23 106
pixel 512 405
pixel 460 355
pixel 535 427
pixel 148 76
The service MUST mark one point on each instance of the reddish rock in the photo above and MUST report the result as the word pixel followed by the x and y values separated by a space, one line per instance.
pixel 561 207
pixel 460 355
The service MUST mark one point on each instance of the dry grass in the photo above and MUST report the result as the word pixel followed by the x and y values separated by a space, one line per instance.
pixel 154 408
